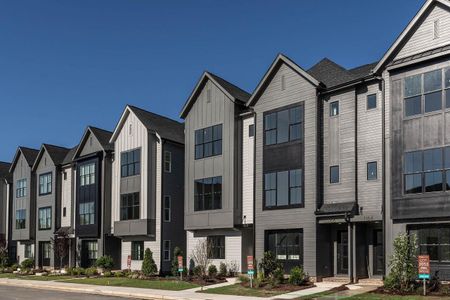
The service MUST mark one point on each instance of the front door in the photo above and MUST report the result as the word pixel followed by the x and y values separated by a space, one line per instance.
pixel 44 254
pixel 378 253
pixel 342 252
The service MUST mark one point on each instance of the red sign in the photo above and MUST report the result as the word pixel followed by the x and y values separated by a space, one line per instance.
pixel 250 262
pixel 180 262
pixel 424 264
pixel 129 262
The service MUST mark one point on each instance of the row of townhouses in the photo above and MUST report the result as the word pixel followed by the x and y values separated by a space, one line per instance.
pixel 322 166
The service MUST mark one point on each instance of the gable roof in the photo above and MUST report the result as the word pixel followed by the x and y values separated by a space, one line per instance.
pixel 273 67
pixel 235 93
pixel 57 154
pixel 406 32
pixel 103 136
pixel 69 157
pixel 4 171
pixel 28 153
pixel 167 128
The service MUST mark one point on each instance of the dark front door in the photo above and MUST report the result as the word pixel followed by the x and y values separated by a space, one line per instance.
pixel 342 252
pixel 44 254
pixel 378 253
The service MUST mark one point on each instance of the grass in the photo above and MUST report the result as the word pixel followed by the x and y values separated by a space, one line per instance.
pixel 374 296
pixel 172 285
pixel 32 277
pixel 8 275
pixel 239 290
pixel 317 295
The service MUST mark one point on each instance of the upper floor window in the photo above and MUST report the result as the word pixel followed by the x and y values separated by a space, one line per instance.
pixel 216 245
pixel 371 101
pixel 447 88
pixel 87 174
pixel 208 193
pixel 334 108
pixel 251 130
pixel 167 208
pixel 45 218
pixel 129 206
pixel 167 161
pixel 208 141
pixel 21 190
pixel 166 250
pixel 130 163
pixel 283 126
pixel 283 189
pixel 21 218
pixel 45 184
pixel 334 174
pixel 372 170
pixel 87 213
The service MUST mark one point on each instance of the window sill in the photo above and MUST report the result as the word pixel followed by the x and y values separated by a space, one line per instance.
pixel 283 207
pixel 45 194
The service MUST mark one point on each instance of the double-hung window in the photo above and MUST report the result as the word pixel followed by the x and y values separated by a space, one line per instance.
pixel 283 189
pixel 130 163
pixel 166 250
pixel 21 218
pixel 283 126
pixel 137 250
pixel 167 208
pixel 87 174
pixel 129 206
pixel 21 189
pixel 216 246
pixel 208 193
pixel 432 83
pixel 45 218
pixel 87 213
pixel 45 184
pixel 167 161
pixel 208 141
pixel 92 251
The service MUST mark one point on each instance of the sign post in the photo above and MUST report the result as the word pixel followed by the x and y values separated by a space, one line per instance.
pixel 250 269
pixel 424 270
pixel 180 266
pixel 129 262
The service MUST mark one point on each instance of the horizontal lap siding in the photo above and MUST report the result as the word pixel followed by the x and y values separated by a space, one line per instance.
pixel 248 171
pixel 66 197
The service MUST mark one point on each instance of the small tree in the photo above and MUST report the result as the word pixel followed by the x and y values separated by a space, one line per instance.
pixel 201 255
pixel 403 271
pixel 60 244
pixel 3 252
pixel 269 264
pixel 105 262
pixel 148 265
pixel 176 252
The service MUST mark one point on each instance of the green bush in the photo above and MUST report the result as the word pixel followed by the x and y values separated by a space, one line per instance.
pixel 269 263
pixel 119 274
pixel 107 274
pixel 78 271
pixel 105 262
pixel 92 271
pixel 223 270
pixel 176 252
pixel 278 276
pixel 297 276
pixel 212 271
pixel 243 278
pixel 28 264
pixel 14 267
pixel 198 271
pixel 149 267
pixel 259 279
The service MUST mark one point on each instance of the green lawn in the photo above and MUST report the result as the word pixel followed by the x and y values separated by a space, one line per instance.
pixel 8 275
pixel 373 296
pixel 239 290
pixel 172 285
pixel 32 277
pixel 317 295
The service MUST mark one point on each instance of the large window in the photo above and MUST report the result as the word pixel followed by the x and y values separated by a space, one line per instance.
pixel 166 250
pixel 87 213
pixel 129 206
pixel 21 218
pixel 92 252
pixel 167 161
pixel 130 163
pixel 287 245
pixel 208 193
pixel 216 246
pixel 167 209
pixel 45 184
pixel 137 250
pixel 208 141
pixel 28 253
pixel 434 241
pixel 283 126
pixel 87 174
pixel 21 189
pixel 283 189
pixel 45 218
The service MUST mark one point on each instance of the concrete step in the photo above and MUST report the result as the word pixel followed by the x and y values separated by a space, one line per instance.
pixel 338 279
pixel 371 281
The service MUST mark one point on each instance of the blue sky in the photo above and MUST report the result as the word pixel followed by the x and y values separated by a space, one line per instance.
pixel 68 64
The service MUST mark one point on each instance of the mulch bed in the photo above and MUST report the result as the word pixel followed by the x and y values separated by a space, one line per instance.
pixel 284 287
pixel 444 291
pixel 204 282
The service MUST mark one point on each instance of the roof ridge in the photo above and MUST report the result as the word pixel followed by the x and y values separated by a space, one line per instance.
pixel 98 128
pixel 56 146
pixel 152 113
pixel 24 147
pixel 215 75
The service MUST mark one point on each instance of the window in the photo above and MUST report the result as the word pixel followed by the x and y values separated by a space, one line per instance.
pixel 251 130
pixel 434 241
pixel 433 90
pixel 447 88
pixel 334 108
pixel 45 218
pixel 413 172
pixel 166 250
pixel 45 184
pixel 208 141
pixel 334 174
pixel 64 211
pixel 167 208
pixel 208 193
pixel 371 101
pixel 28 251
pixel 286 245
pixel 167 161
pixel 216 245
pixel 137 250
pixel 87 174
pixel 130 163
pixel 283 189
pixel 283 126
pixel 65 176
pixel 47 250
pixel 372 170
pixel 92 251
pixel 436 32
pixel 129 206
pixel 21 190
pixel 20 218
pixel 87 213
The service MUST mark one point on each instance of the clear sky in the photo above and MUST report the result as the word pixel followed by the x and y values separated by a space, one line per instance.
pixel 68 64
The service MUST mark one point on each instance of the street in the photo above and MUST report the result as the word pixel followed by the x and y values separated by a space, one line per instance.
pixel 17 293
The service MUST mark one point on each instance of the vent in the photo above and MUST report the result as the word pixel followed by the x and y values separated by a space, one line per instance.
pixel 208 96
pixel 130 130
pixel 283 83
pixel 436 29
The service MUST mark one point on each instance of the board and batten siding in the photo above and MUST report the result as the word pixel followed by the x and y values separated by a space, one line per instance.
pixel 205 112
pixel 248 156
pixel 422 38
pixel 66 197
pixel 297 90
pixel 22 171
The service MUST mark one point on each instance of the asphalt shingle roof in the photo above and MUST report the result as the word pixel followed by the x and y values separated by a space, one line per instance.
pixel 4 171
pixel 29 154
pixel 103 136
pixel 57 153
pixel 336 208
pixel 234 91
pixel 69 156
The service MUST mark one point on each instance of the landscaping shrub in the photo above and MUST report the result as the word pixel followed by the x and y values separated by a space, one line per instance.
pixel 223 270
pixel 119 274
pixel 269 264
pixel 243 278
pixel 176 252
pixel 259 279
pixel 92 271
pixel 78 271
pixel 233 269
pixel 297 276
pixel 278 276
pixel 107 274
pixel 28 264
pixel 105 262
pixel 148 265
pixel 197 271
pixel 212 271
pixel 14 267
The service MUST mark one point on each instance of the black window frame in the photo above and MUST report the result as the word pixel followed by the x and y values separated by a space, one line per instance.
pixel 167 161
pixel 166 250
pixel 130 206
pixel 280 236
pixel 290 125
pixel 251 130
pixel 425 244
pixel 133 167
pixel 87 174
pixel 48 218
pixel 137 250
pixel 215 143
pixel 21 218
pixel 216 246
pixel 91 252
pixel 86 213
pixel 167 208
pixel 201 197
pixel 21 188
pixel 28 251
pixel 332 113
pixel 369 178
pixel 368 102
pixel 47 185
pixel 290 188
pixel 338 174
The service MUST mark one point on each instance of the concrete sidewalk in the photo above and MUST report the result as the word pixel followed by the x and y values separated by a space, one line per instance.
pixel 319 288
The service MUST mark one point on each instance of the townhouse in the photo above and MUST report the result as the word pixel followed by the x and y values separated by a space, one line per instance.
pixel 6 210
pixel 147 187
